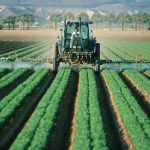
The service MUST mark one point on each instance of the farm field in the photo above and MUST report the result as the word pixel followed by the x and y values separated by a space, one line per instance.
pixel 70 109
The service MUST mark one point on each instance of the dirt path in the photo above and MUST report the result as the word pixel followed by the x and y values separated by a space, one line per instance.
pixel 73 128
pixel 49 35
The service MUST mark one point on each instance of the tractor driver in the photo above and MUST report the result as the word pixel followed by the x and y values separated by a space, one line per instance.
pixel 75 33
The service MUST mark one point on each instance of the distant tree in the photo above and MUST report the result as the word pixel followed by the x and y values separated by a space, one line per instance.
pixel 13 21
pixel 1 23
pixel 22 19
pixel 29 19
pixel 146 19
pixel 110 18
pixel 26 18
pixel 56 17
pixel 69 16
pixel 1 27
pixel 84 16
pixel 134 18
pixel 140 20
pixel 123 18
pixel 96 18
pixel 8 21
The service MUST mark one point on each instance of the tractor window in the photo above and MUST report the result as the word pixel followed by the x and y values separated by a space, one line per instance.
pixel 70 29
pixel 84 31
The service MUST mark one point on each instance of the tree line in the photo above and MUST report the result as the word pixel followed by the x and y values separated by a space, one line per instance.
pixel 122 20
pixel 26 20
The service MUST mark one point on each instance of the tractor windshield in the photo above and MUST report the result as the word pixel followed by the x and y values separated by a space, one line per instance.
pixel 72 26
pixel 70 29
pixel 84 31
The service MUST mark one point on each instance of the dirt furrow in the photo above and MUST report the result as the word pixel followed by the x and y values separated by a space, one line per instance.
pixel 73 128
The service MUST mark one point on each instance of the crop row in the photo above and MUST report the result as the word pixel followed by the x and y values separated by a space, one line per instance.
pixel 132 115
pixel 7 46
pixel 147 73
pixel 138 50
pixel 3 72
pixel 139 82
pixel 90 131
pixel 11 77
pixel 123 55
pixel 36 133
pixel 109 54
pixel 27 51
pixel 34 49
pixel 12 102
pixel 42 50
pixel 22 49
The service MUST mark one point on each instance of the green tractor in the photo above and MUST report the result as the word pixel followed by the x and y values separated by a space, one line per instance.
pixel 76 45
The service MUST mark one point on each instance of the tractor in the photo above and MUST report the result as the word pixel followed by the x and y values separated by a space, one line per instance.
pixel 76 45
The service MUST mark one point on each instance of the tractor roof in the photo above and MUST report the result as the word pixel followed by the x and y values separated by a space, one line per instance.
pixel 77 21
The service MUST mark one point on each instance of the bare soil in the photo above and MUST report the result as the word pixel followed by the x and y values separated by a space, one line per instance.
pixel 119 36
pixel 73 128
pixel 49 35
pixel 28 35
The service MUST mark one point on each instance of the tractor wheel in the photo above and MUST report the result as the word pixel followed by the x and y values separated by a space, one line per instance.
pixel 97 52
pixel 55 64
pixel 97 68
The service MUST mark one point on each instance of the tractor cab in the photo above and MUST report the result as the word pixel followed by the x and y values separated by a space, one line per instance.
pixel 77 36
pixel 77 45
